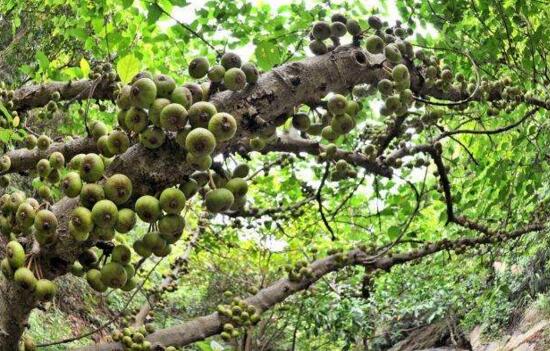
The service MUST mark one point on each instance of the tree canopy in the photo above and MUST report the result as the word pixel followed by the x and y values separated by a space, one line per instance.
pixel 257 175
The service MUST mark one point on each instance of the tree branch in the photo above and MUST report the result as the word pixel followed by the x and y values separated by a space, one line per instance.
pixel 203 327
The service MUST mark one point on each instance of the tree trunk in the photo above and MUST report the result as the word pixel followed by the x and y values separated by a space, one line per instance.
pixel 15 307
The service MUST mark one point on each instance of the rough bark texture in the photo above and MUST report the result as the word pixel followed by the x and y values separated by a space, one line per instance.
pixel 212 324
pixel 25 159
pixel 15 306
pixel 38 95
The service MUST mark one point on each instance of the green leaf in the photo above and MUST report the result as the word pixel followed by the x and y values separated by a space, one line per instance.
pixel 267 55
pixel 43 61
pixel 393 232
pixel 5 135
pixel 5 111
pixel 84 67
pixel 127 67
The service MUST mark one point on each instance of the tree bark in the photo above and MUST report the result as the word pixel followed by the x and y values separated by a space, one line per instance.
pixel 15 307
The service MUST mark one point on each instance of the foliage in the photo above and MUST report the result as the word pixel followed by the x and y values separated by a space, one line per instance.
pixel 498 180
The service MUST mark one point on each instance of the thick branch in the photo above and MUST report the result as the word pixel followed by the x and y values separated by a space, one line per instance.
pixel 25 159
pixel 203 327
pixel 39 95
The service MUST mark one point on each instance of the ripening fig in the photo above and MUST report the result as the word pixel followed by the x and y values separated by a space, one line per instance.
pixel 400 73
pixel 234 79
pixel 76 162
pixel 257 144
pixel 392 103
pixel 182 96
pixel 155 110
pixel 154 241
pixel 219 200
pixel 92 168
pixel 318 47
pixel 118 188
pixel 385 86
pixel 136 119
pixel 43 142
pixel 172 200
pixel 6 269
pixel 123 98
pixel 171 227
pixel 113 275
pixel 126 220
pixel 342 124
pixel 102 147
pixel 45 290
pixel 104 213
pixel 231 60
pixel 5 163
pixel 216 73
pixel 329 134
pixel 121 254
pixel 198 67
pixel 30 141
pixel 25 215
pixel 45 222
pixel 141 249
pixel 90 194
pixel 163 251
pixel 130 285
pixel 98 129
pixel 375 22
pixel 237 186
pixel 15 253
pixel 223 126
pixel 189 188
pixel 200 142
pixel 25 278
pixel 143 93
pixel 57 160
pixel 241 171
pixel 251 73
pixel 321 30
pixel 353 27
pixel 148 208
pixel 93 276
pixel 118 142
pixel 375 44
pixel 43 168
pixel 353 108
pixel 152 137
pixel 173 117
pixel 338 29
pixel 165 85
pixel 337 104
pixel 301 121
pixel 103 233
pixel 200 113
pixel 45 192
pixel 393 54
